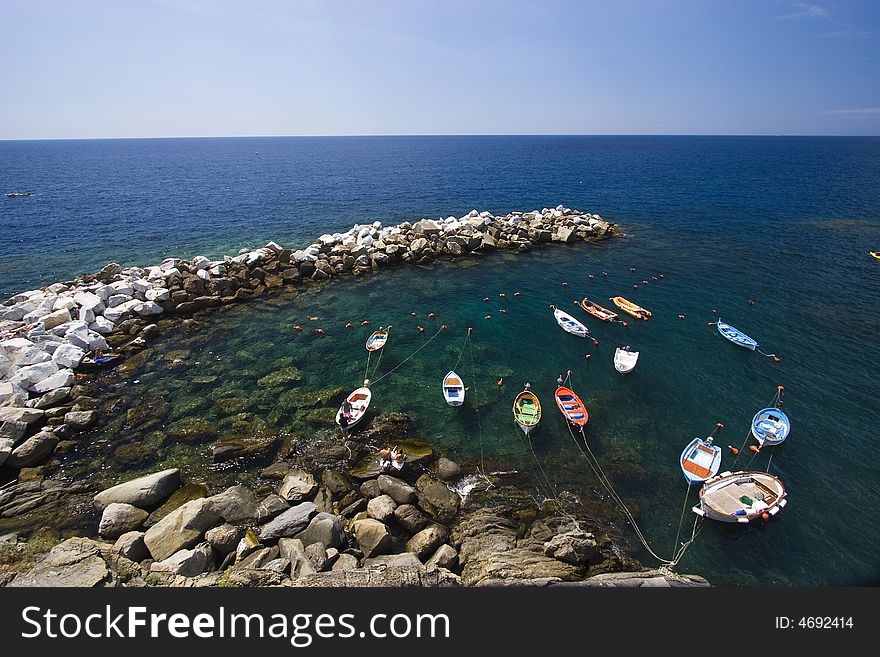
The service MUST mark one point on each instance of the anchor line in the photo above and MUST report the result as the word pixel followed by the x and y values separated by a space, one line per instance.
pixel 396 367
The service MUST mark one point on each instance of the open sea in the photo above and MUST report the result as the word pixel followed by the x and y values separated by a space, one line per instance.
pixel 785 221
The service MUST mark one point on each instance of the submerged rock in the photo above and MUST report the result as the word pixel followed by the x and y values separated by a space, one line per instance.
pixel 284 376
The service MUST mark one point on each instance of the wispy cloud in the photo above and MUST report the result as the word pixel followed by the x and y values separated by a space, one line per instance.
pixel 806 11
pixel 850 34
pixel 862 112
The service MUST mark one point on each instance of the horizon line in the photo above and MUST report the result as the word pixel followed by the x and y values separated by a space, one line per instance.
pixel 374 135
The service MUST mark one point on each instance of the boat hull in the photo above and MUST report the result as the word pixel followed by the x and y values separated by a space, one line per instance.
pixel 570 324
pixel 700 461
pixel 740 497
pixel 597 311
pixel 360 402
pixel 453 389
pixel 736 336
pixel 631 308
pixel 571 406
pixel 377 340
pixel 625 361
pixel 526 411
pixel 770 426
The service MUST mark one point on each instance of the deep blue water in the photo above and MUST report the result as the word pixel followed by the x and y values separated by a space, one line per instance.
pixel 786 221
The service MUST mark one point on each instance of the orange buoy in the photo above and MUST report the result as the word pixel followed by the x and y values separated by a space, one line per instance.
pixel 485 298
pixel 645 282
pixel 502 295
pixel 297 328
pixel 780 387
pixel 312 319
pixel 517 293
pixel 503 312
pixel 653 278
pixel 714 311
pixel 765 516
pixel 681 316
pixel 575 302
pixel 625 324
pixel 501 382
pixel 366 322
pixel 776 359
pixel 632 268
pixel 432 315
pixel 604 273
pixel 587 357
pixel 719 425
pixel 319 331
pixel 349 325
pixel 564 284
pixel 590 277
pixel 660 275
pixel 488 316
pixel 412 314
pixel 634 286
pixel 421 329
pixel 733 450
pixel 754 448
pixel 752 302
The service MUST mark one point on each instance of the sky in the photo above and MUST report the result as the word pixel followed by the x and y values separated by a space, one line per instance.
pixel 173 68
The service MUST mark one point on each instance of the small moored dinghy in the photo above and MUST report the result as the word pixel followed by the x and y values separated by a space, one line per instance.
pixel 569 323
pixel 741 497
pixel 700 460
pixel 353 408
pixel 571 406
pixel 377 340
pixel 770 426
pixel 527 410
pixel 597 311
pixel 91 364
pixel 625 359
pixel 453 389
pixel 628 306
pixel 736 336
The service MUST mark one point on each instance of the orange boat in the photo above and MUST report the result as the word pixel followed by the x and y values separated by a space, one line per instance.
pixel 629 307
pixel 597 311
pixel 571 406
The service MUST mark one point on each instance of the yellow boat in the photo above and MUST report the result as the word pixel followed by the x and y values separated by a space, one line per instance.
pixel 875 254
pixel 631 308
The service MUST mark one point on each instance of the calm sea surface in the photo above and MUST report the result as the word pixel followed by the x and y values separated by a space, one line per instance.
pixel 785 221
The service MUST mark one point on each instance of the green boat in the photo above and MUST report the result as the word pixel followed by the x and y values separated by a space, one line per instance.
pixel 527 410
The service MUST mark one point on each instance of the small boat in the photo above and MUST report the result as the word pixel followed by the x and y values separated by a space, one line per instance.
pixel 625 359
pixel 571 406
pixel 569 323
pixel 17 194
pixel 377 340
pixel 527 410
pixel 741 497
pixel 736 336
pixel 356 404
pixel 700 460
pixel 92 364
pixel 453 389
pixel 629 307
pixel 770 426
pixel 597 311
pixel 875 254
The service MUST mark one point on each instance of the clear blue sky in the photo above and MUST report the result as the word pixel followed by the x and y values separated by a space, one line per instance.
pixel 136 68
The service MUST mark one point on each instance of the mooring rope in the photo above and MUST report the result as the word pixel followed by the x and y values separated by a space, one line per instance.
pixel 425 344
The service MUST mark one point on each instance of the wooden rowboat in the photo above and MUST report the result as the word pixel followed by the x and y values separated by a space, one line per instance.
pixel 597 311
pixel 453 389
pixel 527 410
pixel 569 323
pixel 357 403
pixel 700 460
pixel 377 340
pixel 571 406
pixel 741 497
pixel 770 426
pixel 736 336
pixel 629 307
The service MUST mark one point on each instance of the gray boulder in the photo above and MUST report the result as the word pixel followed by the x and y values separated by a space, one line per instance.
pixel 448 470
pixel 317 554
pixel 444 557
pixel 187 563
pixel 403 560
pixel 410 518
pixel 370 488
pixel 142 492
pixel 79 420
pixel 237 504
pixel 345 562
pixel 400 491
pixel 372 536
pixel 324 528
pixel 21 414
pixel 293 550
pixel 131 546
pixel 271 506
pixel 289 523
pixel 436 498
pixel 224 538
pixel 182 528
pixel 381 508
pixel 76 562
pixel 426 542
pixel 572 547
pixel 33 451
pixel 119 518
pixel 297 486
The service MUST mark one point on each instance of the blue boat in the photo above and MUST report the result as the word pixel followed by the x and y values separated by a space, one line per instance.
pixel 700 460
pixel 770 426
pixel 736 336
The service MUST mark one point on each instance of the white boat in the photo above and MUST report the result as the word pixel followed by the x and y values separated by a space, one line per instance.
pixel 377 340
pixel 353 408
pixel 453 389
pixel 741 497
pixel 569 323
pixel 625 359
pixel 700 460
pixel 770 426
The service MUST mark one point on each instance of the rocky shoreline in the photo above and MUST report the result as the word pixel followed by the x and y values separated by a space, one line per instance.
pixel 327 515
pixel 323 514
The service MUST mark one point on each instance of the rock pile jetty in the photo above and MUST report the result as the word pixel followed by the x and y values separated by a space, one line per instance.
pixel 45 334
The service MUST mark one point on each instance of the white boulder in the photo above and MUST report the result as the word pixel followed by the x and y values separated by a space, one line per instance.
pixel 21 352
pixel 102 325
pixel 68 355
pixel 158 294
pixel 33 374
pixel 61 379
pixel 88 300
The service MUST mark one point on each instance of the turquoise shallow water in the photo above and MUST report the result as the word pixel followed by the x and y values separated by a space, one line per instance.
pixel 785 222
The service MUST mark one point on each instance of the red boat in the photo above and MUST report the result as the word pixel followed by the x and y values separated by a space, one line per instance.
pixel 597 311
pixel 571 406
